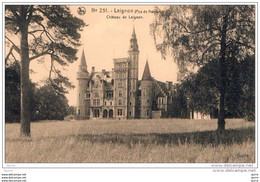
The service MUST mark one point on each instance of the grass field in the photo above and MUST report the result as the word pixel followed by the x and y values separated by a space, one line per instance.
pixel 161 140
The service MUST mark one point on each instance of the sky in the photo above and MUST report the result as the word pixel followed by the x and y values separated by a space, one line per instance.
pixel 107 37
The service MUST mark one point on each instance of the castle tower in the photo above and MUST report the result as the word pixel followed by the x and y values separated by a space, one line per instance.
pixel 82 77
pixel 133 54
pixel 146 93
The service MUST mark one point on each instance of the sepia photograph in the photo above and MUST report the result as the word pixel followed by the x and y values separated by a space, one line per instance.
pixel 169 84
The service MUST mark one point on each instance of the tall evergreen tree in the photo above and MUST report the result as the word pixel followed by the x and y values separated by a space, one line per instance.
pixel 43 31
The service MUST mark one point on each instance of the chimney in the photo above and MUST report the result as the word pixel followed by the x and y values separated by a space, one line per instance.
pixel 93 69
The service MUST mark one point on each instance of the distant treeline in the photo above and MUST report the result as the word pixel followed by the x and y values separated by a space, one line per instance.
pixel 45 103
pixel 199 91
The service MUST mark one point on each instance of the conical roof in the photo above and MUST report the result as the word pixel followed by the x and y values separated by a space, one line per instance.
pixel 147 74
pixel 83 59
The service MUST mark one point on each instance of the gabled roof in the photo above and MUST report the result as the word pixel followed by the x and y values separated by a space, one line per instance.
pixel 147 74
pixel 163 87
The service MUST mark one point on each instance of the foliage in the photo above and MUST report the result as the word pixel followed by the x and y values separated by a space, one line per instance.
pixel 44 101
pixel 52 105
pixel 198 34
pixel 52 30
pixel 72 110
pixel 180 106
pixel 43 30
pixel 193 33
pixel 12 93
pixel 201 88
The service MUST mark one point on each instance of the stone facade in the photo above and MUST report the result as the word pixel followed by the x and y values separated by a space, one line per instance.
pixel 118 93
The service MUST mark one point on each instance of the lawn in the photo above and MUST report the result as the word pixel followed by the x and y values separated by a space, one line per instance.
pixel 154 140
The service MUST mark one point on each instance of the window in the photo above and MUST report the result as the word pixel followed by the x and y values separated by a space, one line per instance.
pixel 87 95
pixel 130 103
pixel 120 102
pixel 120 94
pixel 96 102
pixel 147 112
pixel 109 95
pixel 111 103
pixel 130 113
pixel 119 112
pixel 148 101
pixel 105 103
pixel 79 112
pixel 143 93
pixel 120 85
pixel 162 100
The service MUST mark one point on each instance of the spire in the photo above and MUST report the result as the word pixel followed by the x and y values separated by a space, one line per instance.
pixel 83 64
pixel 83 59
pixel 147 74
pixel 133 42
pixel 133 34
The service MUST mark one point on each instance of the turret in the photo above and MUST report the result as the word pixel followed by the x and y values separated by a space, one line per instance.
pixel 146 93
pixel 133 76
pixel 133 43
pixel 82 77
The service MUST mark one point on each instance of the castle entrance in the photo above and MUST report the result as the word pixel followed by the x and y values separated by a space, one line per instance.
pixel 110 113
pixel 96 113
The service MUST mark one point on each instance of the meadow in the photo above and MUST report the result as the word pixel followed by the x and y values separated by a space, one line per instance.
pixel 153 140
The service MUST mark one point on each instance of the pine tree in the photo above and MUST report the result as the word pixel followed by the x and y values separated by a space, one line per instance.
pixel 43 30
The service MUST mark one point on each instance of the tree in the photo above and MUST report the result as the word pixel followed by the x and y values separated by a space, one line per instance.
pixel 202 94
pixel 43 31
pixel 199 34
pixel 13 92
pixel 51 105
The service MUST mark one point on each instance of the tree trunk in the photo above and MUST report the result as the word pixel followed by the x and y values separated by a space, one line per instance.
pixel 222 69
pixel 25 100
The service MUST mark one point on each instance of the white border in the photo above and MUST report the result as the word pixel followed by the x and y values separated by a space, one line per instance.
pixel 131 165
